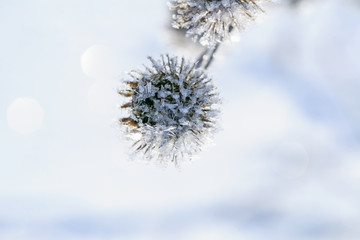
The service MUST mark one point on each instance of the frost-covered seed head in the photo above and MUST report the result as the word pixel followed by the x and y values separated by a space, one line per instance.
pixel 210 21
pixel 172 110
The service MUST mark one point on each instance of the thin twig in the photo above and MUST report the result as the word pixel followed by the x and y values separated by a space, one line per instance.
pixel 209 54
pixel 201 57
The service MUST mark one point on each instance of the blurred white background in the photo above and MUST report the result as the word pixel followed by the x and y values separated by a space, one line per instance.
pixel 286 164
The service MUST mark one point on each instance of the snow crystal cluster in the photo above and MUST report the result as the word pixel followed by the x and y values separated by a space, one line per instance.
pixel 172 110
pixel 211 21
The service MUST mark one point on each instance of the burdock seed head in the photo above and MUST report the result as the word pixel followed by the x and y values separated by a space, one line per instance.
pixel 210 21
pixel 173 107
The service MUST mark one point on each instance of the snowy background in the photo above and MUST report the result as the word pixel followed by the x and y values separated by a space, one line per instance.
pixel 286 164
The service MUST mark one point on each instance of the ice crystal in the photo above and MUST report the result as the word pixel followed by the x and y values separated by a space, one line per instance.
pixel 210 21
pixel 172 110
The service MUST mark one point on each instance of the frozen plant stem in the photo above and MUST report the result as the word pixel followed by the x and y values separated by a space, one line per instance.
pixel 208 55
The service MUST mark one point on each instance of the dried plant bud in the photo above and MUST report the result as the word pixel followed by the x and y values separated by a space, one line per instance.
pixel 173 109
pixel 210 21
